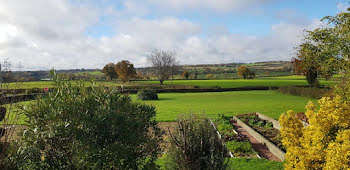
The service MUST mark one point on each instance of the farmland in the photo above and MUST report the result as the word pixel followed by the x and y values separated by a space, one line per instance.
pixel 240 82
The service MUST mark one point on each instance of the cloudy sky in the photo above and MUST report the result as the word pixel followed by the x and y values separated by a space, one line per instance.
pixel 65 34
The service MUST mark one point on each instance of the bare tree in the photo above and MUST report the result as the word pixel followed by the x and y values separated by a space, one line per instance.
pixel 163 63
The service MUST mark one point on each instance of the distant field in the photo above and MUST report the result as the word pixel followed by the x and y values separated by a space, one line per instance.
pixel 267 102
pixel 240 82
pixel 48 84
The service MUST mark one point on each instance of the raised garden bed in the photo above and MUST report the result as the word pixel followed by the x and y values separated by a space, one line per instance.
pixel 237 144
pixel 264 127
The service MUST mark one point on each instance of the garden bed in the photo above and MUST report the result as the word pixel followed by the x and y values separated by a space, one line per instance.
pixel 235 143
pixel 264 127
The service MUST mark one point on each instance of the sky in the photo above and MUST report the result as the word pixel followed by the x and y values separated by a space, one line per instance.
pixel 74 34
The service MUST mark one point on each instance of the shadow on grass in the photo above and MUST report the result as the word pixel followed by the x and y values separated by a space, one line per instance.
pixel 164 98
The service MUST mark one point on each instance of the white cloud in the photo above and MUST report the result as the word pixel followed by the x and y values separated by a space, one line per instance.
pixel 43 34
pixel 214 5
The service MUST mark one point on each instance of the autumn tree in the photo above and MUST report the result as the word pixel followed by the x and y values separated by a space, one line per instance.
pixel 163 64
pixel 110 71
pixel 125 70
pixel 185 75
pixel 245 73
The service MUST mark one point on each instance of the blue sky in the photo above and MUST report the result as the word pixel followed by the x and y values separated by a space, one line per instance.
pixel 88 34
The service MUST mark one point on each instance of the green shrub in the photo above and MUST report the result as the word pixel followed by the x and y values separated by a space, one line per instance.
pixel 311 92
pixel 195 145
pixel 147 94
pixel 239 147
pixel 95 128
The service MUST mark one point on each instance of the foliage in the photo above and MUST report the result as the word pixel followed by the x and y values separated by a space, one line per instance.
pixel 237 147
pixel 185 75
pixel 163 63
pixel 74 127
pixel 224 126
pixel 147 94
pixel 324 143
pixel 210 76
pixel 308 63
pixel 125 70
pixel 195 145
pixel 110 71
pixel 325 50
pixel 245 73
pixel 311 92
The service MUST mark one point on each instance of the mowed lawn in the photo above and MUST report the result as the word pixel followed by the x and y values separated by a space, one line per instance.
pixel 241 82
pixel 268 102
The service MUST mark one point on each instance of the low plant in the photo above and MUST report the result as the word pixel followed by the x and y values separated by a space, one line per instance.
pixel 240 147
pixel 147 94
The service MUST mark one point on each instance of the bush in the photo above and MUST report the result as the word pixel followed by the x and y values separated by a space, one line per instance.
pixel 81 128
pixel 147 94
pixel 312 92
pixel 195 145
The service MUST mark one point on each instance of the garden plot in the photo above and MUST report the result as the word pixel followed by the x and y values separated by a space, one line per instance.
pixel 263 127
pixel 239 142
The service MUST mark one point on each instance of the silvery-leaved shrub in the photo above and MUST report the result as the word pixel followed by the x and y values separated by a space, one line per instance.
pixel 75 127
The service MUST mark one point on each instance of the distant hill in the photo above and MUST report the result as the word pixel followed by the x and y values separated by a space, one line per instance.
pixel 222 71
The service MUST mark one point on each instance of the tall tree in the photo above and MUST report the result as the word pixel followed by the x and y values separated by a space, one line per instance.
pixel 185 75
pixel 125 70
pixel 245 73
pixel 163 63
pixel 110 71
pixel 326 50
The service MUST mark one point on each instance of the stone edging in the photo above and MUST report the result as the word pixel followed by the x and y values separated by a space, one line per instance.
pixel 272 147
pixel 275 123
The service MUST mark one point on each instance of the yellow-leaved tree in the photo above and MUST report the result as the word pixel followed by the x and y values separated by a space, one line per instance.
pixel 325 142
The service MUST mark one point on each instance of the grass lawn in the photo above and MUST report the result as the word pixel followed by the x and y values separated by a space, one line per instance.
pixel 240 82
pixel 254 164
pixel 268 102
pixel 242 164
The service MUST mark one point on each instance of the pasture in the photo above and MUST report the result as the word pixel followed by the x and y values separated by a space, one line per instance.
pixel 240 82
pixel 169 105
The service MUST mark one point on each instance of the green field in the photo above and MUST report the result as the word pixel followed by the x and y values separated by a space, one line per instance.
pixel 239 82
pixel 48 84
pixel 268 102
